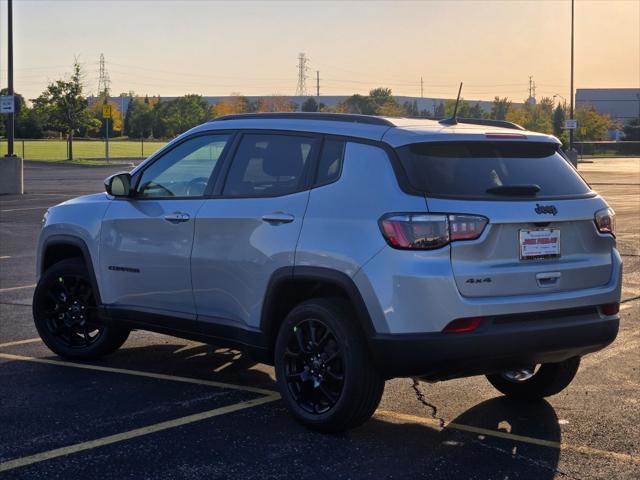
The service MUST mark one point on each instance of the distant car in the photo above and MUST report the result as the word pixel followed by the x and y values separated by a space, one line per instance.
pixel 345 250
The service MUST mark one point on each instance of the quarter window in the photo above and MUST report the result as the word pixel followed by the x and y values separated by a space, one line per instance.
pixel 269 165
pixel 185 170
pixel 330 163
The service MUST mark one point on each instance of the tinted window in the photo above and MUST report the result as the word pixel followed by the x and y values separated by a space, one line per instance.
pixel 268 165
pixel 469 169
pixel 330 163
pixel 185 170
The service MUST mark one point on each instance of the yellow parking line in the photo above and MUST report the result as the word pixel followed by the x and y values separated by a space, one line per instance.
pixel 139 373
pixel 138 432
pixel 16 288
pixel 623 457
pixel 20 342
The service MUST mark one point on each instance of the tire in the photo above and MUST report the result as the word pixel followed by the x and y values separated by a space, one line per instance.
pixel 550 379
pixel 66 315
pixel 320 400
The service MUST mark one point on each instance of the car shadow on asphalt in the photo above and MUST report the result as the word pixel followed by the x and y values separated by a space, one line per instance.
pixel 200 361
pixel 462 454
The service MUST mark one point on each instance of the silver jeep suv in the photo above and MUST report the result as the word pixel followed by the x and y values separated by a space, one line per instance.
pixel 344 250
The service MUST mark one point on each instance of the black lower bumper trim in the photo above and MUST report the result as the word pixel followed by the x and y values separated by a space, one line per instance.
pixel 495 348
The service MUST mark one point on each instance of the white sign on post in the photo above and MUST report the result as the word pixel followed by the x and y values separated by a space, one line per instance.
pixel 7 104
pixel 570 124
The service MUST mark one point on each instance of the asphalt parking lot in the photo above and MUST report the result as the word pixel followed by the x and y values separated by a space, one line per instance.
pixel 168 408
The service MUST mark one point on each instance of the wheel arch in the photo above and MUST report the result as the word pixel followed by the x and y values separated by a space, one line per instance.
pixel 289 286
pixel 62 247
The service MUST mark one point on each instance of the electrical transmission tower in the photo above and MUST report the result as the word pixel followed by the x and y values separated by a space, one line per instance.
pixel 532 91
pixel 103 78
pixel 301 89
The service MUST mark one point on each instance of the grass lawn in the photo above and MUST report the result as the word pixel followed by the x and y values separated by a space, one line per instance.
pixel 56 150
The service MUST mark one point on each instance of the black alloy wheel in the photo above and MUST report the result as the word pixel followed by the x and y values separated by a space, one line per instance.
pixel 66 315
pixel 69 308
pixel 313 366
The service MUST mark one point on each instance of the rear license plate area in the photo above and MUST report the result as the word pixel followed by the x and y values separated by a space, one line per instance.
pixel 539 243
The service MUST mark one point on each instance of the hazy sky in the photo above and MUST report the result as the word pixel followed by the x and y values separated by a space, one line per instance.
pixel 219 47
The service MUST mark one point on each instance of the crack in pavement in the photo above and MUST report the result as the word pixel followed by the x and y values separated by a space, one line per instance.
pixel 421 398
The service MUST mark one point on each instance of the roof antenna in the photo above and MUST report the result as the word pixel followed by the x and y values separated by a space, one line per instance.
pixel 453 120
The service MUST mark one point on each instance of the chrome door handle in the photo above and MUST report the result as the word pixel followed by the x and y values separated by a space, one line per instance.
pixel 177 217
pixel 278 217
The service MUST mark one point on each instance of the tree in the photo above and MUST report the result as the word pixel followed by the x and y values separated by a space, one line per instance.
pixel 500 108
pixel 464 109
pixel 476 111
pixel 381 96
pixel 357 104
pixel 411 109
pixel 179 115
pixel 559 116
pixel 140 118
pixel 390 109
pixel 592 126
pixel 236 103
pixel 517 115
pixel 26 121
pixel 439 112
pixel 310 105
pixel 276 103
pixel 632 130
pixel 64 108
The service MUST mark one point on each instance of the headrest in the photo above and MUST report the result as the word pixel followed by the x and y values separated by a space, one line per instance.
pixel 283 157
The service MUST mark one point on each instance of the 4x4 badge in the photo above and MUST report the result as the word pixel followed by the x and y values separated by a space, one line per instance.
pixel 542 209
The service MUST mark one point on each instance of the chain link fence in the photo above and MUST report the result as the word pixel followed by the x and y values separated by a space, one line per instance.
pixel 83 148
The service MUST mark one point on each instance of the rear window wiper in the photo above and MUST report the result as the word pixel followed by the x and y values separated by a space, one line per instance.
pixel 514 189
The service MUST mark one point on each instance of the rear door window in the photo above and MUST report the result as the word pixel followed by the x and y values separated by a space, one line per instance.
pixel 475 169
pixel 269 165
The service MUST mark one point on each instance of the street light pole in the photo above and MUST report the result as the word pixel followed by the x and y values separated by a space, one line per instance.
pixel 11 171
pixel 571 95
pixel 11 119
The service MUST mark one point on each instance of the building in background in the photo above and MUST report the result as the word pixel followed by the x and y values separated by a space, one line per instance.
pixel 622 104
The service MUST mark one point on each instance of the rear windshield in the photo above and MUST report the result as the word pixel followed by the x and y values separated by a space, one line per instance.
pixel 469 169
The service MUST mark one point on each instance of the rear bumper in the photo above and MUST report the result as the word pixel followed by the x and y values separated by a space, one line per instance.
pixel 501 343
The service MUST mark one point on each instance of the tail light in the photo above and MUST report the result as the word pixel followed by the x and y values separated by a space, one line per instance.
pixel 407 231
pixel 606 221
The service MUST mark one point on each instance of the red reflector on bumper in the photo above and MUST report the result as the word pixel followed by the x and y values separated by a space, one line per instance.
pixel 463 325
pixel 610 308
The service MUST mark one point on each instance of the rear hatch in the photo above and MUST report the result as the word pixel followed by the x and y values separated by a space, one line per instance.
pixel 541 236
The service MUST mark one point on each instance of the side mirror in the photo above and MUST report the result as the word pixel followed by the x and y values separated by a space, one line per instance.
pixel 118 185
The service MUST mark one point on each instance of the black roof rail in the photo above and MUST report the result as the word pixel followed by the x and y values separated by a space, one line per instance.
pixel 490 122
pixel 332 117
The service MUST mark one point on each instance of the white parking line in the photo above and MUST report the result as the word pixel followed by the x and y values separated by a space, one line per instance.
pixel 138 432
pixel 4 257
pixel 20 342
pixel 21 209
pixel 10 289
